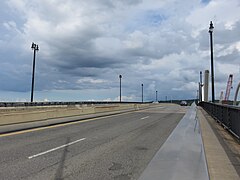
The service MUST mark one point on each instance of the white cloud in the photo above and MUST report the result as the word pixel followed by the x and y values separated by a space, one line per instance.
pixel 187 87
pixel 216 10
pixel 90 80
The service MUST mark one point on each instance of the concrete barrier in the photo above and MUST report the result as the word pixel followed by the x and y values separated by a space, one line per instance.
pixel 31 114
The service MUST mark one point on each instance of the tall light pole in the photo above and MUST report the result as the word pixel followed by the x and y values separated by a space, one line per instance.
pixel 200 87
pixel 212 68
pixel 142 93
pixel 156 97
pixel 34 48
pixel 197 95
pixel 199 91
pixel 120 77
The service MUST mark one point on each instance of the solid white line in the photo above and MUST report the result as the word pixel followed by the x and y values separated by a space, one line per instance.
pixel 145 117
pixel 54 149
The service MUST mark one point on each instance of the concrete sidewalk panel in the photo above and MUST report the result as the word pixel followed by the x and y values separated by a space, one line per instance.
pixel 219 165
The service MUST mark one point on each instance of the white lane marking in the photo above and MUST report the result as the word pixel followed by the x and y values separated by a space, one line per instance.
pixel 145 117
pixel 54 149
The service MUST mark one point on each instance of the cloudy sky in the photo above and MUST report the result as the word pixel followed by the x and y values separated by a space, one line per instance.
pixel 86 45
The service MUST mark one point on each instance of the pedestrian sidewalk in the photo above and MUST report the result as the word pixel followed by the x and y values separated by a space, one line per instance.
pixel 219 165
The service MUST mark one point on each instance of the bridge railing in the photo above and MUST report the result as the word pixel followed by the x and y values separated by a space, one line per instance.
pixel 228 116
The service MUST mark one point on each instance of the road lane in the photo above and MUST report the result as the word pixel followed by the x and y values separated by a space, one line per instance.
pixel 118 147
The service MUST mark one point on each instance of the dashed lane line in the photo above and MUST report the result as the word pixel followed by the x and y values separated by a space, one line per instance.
pixel 145 117
pixel 56 148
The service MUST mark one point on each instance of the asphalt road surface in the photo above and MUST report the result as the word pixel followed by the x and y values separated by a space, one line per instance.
pixel 117 147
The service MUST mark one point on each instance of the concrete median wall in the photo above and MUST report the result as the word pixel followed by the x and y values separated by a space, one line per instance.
pixel 30 114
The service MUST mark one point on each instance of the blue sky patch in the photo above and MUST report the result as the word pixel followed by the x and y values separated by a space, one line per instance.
pixel 205 1
pixel 148 19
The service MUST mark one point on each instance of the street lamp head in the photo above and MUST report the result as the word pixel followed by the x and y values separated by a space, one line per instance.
pixel 142 84
pixel 33 45
pixel 37 48
pixel 211 27
pixel 120 76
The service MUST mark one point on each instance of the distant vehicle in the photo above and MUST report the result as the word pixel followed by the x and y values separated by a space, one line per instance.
pixel 183 103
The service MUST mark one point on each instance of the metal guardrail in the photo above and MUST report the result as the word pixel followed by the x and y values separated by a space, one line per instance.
pixel 26 104
pixel 228 116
